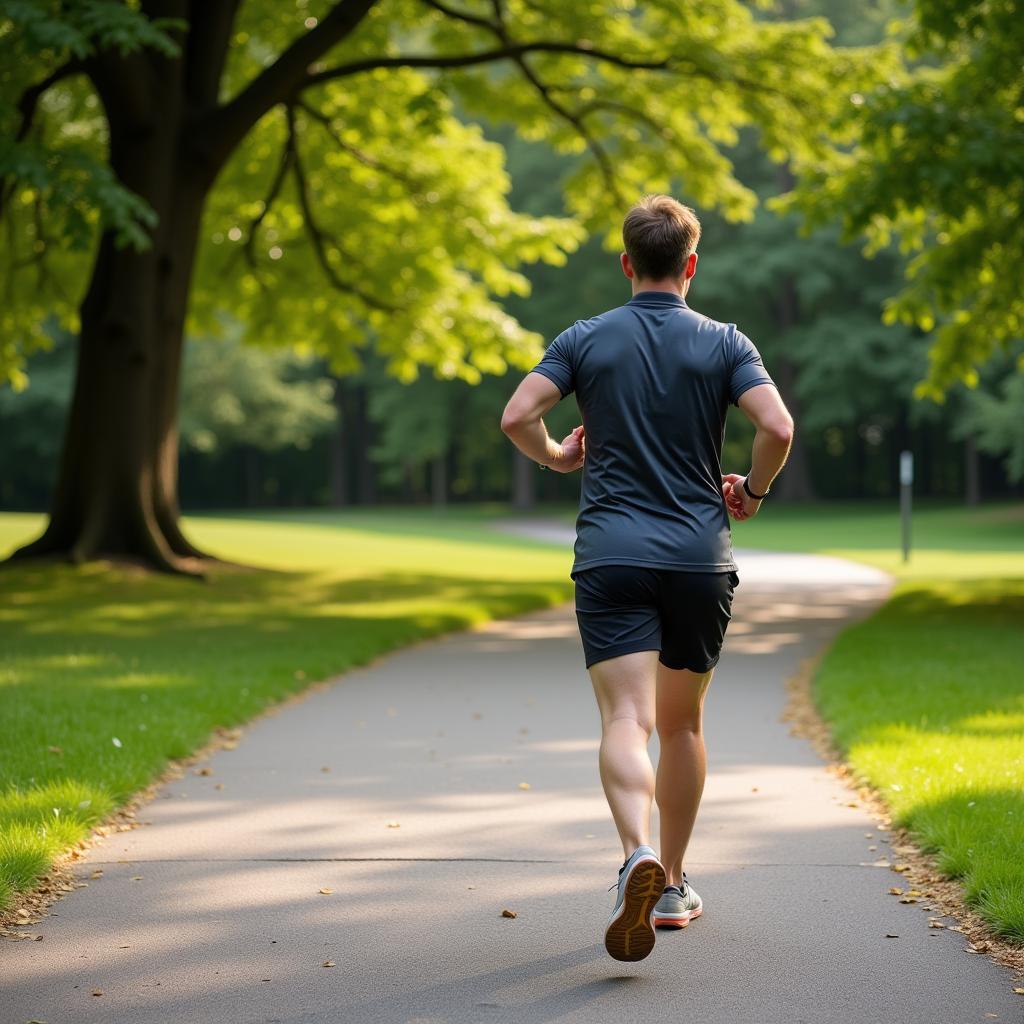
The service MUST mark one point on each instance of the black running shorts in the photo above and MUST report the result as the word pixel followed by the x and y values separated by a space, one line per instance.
pixel 684 615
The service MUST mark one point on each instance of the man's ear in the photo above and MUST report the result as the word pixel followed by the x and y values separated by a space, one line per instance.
pixel 691 266
pixel 627 267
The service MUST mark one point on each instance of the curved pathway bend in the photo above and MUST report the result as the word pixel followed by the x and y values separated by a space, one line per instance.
pixel 463 782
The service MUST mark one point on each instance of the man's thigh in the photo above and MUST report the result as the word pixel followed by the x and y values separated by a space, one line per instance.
pixel 617 609
pixel 695 610
pixel 626 687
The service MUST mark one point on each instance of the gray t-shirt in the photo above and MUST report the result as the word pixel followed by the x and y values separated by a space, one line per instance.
pixel 653 382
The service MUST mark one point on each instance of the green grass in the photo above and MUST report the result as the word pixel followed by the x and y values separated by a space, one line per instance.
pixel 926 697
pixel 92 654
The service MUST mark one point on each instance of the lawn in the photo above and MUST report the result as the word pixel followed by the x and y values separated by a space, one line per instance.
pixel 926 697
pixel 106 674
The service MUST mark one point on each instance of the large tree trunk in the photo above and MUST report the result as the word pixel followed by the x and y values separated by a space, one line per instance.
pixel 117 488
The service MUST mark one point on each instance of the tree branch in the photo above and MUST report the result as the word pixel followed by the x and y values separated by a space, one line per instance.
pixel 318 236
pixel 30 97
pixel 469 19
pixel 206 49
pixel 364 158
pixel 463 60
pixel 223 128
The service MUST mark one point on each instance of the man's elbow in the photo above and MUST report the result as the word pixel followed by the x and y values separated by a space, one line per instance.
pixel 782 430
pixel 509 420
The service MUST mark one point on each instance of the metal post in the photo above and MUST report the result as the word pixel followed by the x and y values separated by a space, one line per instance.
pixel 906 495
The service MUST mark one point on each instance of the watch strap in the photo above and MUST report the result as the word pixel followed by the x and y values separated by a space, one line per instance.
pixel 750 493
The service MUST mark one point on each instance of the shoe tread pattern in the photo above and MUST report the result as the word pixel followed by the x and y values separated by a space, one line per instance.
pixel 631 935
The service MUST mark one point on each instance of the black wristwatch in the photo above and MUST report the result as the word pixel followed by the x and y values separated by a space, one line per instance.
pixel 751 494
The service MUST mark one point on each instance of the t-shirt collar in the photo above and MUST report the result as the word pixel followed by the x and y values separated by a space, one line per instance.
pixel 656 298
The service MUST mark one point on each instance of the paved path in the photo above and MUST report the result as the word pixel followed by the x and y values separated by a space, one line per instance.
pixel 226 923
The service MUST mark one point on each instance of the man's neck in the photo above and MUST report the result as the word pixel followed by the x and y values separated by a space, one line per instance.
pixel 675 287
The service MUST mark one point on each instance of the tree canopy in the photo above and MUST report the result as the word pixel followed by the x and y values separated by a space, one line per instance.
pixel 932 156
pixel 354 203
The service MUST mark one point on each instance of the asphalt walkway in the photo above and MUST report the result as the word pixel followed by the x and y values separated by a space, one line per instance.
pixel 463 783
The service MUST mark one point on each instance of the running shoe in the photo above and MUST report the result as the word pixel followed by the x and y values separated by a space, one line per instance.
pixel 678 906
pixel 630 931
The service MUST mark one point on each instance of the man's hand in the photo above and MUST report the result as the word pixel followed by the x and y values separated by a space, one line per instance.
pixel 740 505
pixel 573 452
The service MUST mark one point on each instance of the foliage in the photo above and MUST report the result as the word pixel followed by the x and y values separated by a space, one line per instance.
pixel 933 156
pixel 360 207
pixel 238 394
pixel 994 414
pixel 56 187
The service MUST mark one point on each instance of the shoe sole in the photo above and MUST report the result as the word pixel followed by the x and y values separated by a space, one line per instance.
pixel 677 922
pixel 630 934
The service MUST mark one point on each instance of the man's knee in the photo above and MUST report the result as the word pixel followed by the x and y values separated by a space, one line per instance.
pixel 631 716
pixel 681 725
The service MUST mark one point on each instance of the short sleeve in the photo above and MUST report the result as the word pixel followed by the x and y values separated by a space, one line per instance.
pixel 746 370
pixel 557 363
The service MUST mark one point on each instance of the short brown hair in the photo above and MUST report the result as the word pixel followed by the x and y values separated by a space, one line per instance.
pixel 659 234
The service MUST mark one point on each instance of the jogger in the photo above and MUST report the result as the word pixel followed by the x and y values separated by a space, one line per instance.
pixel 653 563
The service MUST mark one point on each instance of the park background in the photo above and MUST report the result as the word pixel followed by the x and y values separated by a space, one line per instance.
pixel 380 259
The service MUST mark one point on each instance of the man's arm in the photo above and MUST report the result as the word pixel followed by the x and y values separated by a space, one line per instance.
pixel 763 406
pixel 521 422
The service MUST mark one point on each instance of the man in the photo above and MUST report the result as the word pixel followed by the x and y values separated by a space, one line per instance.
pixel 653 566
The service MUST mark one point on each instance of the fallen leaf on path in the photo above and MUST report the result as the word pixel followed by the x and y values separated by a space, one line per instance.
pixel 872 848
pixel 124 947
pixel 908 899
pixel 509 913
pixel 891 935
pixel 978 947
pixel 37 938
pixel 936 924
pixel 22 912
pixel 204 771
pixel 137 878
pixel 327 890
pixel 97 873
pixel 754 789
pixel 394 824
pixel 55 749
pixel 97 991
pixel 217 785
pixel 524 785
pixel 328 963
pixel 895 892
pixel 326 768
pixel 477 715
pixel 901 867
pixel 1019 991
pixel 869 835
